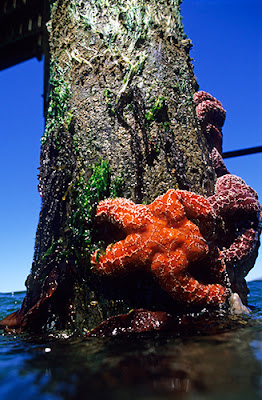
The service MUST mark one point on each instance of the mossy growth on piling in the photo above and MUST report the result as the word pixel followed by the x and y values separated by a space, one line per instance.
pixel 83 195
pixel 86 195
pixel 58 112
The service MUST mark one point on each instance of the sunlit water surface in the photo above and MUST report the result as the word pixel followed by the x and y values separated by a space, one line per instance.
pixel 223 366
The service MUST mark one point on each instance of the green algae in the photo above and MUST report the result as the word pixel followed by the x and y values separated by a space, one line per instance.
pixel 58 112
pixel 84 197
pixel 155 112
pixel 110 100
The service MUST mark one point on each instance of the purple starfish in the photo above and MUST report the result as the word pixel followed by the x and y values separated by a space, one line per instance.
pixel 238 205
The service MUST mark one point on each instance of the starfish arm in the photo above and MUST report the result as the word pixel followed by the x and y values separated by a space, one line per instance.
pixel 194 243
pixel 174 205
pixel 123 213
pixel 218 163
pixel 214 135
pixel 203 294
pixel 233 195
pixel 229 202
pixel 211 111
pixel 120 257
pixel 174 278
pixel 242 247
pixel 195 205
pixel 167 207
pixel 217 266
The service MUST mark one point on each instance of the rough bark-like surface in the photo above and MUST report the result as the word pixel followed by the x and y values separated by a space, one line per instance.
pixel 121 121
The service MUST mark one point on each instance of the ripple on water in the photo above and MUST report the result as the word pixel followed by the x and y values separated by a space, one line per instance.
pixel 226 365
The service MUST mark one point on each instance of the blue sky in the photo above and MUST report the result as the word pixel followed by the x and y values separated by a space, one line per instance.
pixel 227 38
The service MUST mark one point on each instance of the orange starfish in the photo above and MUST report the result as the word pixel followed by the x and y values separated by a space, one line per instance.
pixel 161 239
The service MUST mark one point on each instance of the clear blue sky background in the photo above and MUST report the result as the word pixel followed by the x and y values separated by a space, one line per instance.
pixel 227 38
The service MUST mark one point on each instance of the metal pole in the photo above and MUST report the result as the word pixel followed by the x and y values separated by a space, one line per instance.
pixel 243 152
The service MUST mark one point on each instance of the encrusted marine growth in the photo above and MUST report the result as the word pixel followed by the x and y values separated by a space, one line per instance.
pixel 238 205
pixel 162 240
pixel 211 116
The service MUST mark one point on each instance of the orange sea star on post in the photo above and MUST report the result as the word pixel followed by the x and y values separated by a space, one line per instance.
pixel 162 240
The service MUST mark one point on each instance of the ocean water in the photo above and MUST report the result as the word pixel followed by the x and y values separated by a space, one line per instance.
pixel 160 367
